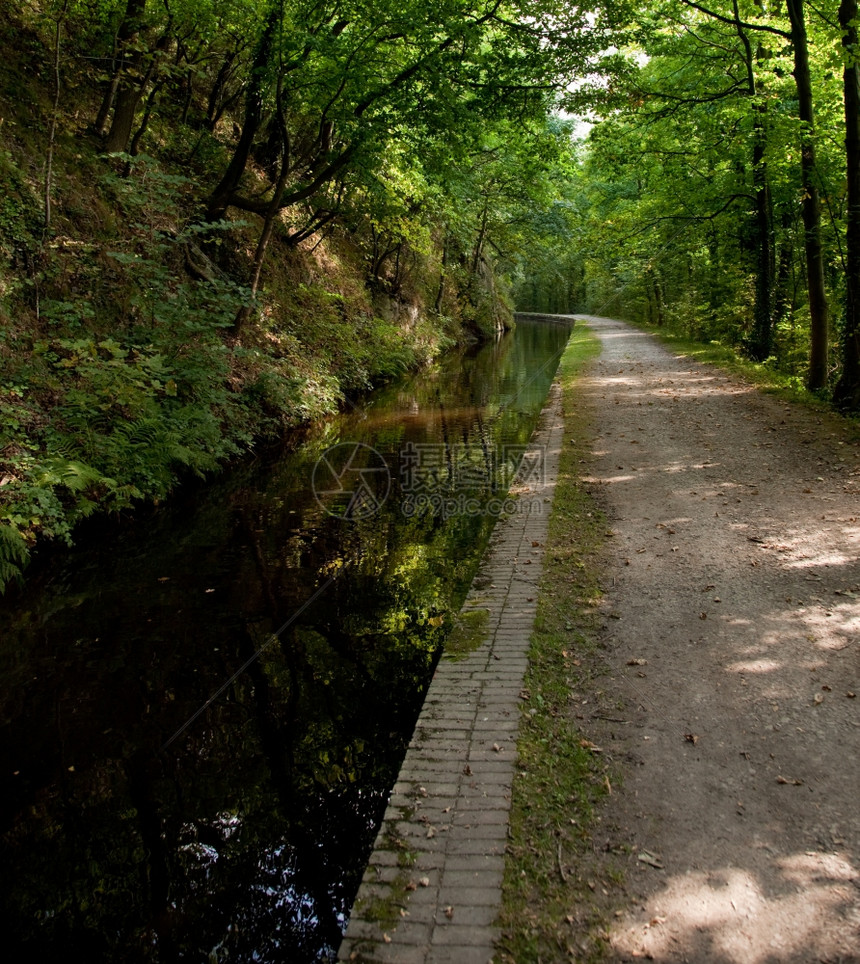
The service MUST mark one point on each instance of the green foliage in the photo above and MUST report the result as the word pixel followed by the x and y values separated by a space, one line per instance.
pixel 698 138
pixel 415 139
pixel 14 554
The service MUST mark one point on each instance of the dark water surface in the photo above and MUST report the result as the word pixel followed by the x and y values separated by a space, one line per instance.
pixel 137 828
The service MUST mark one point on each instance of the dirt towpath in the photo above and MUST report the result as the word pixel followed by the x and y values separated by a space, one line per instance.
pixel 728 706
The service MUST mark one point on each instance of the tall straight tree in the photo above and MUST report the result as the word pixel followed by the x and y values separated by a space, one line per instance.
pixel 761 341
pixel 847 393
pixel 819 337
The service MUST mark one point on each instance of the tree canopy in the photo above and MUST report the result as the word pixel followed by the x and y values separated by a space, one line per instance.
pixel 218 218
pixel 714 191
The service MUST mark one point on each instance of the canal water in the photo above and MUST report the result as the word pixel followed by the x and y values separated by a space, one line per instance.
pixel 203 710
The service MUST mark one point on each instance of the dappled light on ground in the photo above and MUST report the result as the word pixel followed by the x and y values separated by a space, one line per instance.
pixel 729 914
pixel 732 655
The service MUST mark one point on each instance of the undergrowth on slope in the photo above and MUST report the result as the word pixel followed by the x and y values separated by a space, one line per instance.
pixel 119 376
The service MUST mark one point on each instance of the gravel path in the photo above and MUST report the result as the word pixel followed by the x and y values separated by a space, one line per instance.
pixel 729 707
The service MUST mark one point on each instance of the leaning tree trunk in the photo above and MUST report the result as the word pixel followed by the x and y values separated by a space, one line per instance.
pixel 847 392
pixel 221 197
pixel 811 203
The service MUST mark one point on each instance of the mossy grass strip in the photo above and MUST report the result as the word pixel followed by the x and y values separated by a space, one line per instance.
pixel 548 899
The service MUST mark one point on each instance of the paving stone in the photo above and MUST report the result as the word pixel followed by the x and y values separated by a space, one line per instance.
pixel 477 896
pixel 455 935
pixel 492 862
pixel 467 879
pixel 457 955
pixel 364 952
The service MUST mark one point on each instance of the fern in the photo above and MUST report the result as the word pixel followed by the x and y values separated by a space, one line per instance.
pixel 74 476
pixel 14 555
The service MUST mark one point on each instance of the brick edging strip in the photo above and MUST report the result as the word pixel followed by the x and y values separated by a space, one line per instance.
pixel 433 887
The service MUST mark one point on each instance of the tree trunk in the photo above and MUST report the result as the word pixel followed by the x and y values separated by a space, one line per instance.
pixel 134 147
pixel 127 31
pixel 100 125
pixel 440 291
pixel 479 244
pixel 55 107
pixel 127 99
pixel 660 300
pixel 219 200
pixel 847 392
pixel 214 106
pixel 761 339
pixel 649 295
pixel 123 89
pixel 811 203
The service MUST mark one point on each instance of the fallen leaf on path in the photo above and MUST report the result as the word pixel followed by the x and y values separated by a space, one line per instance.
pixel 851 696
pixel 691 738
pixel 791 783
